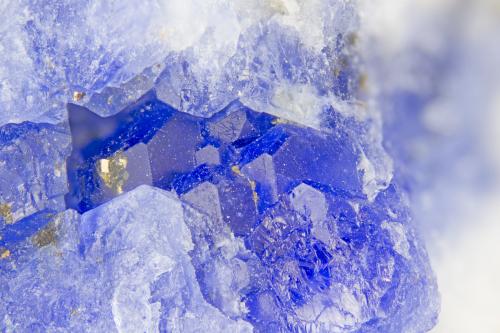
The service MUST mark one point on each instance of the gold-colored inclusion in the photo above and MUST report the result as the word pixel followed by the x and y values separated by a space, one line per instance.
pixel 341 65
pixel 46 236
pixel 113 171
pixel 253 185
pixel 6 213
pixel 4 253
pixel 255 195
pixel 78 95
pixel 236 170
pixel 363 82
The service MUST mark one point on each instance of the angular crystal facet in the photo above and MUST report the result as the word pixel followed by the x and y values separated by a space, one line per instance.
pixel 40 183
pixel 289 240
pixel 123 266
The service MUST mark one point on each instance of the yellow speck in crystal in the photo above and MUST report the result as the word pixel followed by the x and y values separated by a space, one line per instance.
pixel 255 195
pixel 252 183
pixel 6 213
pixel 236 169
pixel 104 165
pixel 78 95
pixel 46 236
pixel 113 171
pixel 5 254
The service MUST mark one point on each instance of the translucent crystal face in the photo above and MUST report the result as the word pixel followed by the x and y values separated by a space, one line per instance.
pixel 315 250
pixel 33 178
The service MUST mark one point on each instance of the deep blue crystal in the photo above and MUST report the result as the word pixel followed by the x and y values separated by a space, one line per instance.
pixel 293 194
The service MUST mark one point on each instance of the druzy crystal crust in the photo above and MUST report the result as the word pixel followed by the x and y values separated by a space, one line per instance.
pixel 170 193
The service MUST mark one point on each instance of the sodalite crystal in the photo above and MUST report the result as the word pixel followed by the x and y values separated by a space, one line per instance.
pixel 224 176
pixel 283 236
pixel 124 266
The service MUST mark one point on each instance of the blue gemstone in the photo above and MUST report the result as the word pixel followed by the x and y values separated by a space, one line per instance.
pixel 292 195
pixel 196 207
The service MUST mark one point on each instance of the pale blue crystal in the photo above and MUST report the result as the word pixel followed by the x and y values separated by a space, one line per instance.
pixel 33 169
pixel 124 266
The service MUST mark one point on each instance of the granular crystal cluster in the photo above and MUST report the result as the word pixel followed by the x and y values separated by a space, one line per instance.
pixel 227 182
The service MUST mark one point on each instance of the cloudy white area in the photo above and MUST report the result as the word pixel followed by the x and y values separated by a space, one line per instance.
pixel 458 211
pixel 468 270
pixel 51 53
pixel 50 50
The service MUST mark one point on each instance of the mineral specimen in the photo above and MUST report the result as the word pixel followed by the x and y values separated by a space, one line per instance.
pixel 280 236
pixel 222 178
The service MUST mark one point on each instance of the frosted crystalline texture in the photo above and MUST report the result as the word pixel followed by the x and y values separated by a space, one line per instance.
pixel 205 54
pixel 123 267
pixel 49 51
pixel 334 266
pixel 33 171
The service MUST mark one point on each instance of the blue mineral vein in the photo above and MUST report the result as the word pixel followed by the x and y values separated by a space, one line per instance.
pixel 172 201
